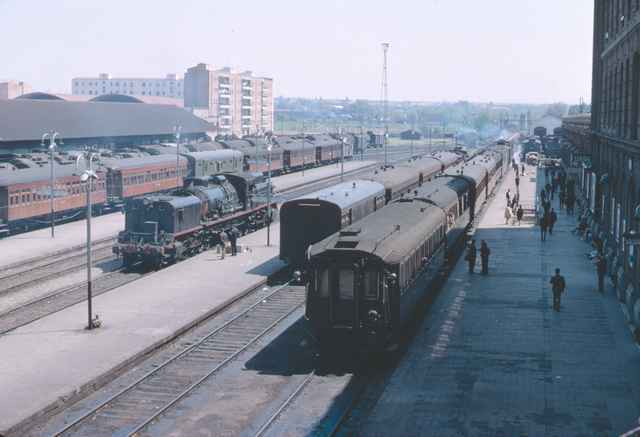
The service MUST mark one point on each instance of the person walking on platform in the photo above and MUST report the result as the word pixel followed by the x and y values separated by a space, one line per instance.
pixel 562 198
pixel 558 285
pixel 508 195
pixel 553 217
pixel 507 214
pixel 484 257
pixel 601 266
pixel 471 256
pixel 519 214
pixel 549 191
pixel 543 196
pixel 543 227
pixel 517 184
pixel 522 172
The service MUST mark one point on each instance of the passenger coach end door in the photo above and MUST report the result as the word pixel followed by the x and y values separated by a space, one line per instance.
pixel 344 296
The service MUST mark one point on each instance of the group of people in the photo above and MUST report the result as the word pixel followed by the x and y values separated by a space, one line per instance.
pixel 547 217
pixel 513 210
pixel 470 257
pixel 229 238
pixel 565 188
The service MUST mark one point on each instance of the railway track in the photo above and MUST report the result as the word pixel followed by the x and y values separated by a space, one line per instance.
pixel 63 298
pixel 19 274
pixel 132 408
pixel 56 268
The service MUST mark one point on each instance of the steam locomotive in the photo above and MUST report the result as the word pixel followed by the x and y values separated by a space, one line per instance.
pixel 162 229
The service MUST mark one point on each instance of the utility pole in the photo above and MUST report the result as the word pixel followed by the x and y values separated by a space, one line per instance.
pixel 385 101
pixel 177 130
pixel 51 136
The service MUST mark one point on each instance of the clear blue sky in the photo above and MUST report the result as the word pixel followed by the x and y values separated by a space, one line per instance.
pixel 479 50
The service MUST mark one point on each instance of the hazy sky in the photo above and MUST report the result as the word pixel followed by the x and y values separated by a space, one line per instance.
pixel 479 50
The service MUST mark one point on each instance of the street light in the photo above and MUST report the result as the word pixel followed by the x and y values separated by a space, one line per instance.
pixel 89 176
pixel 303 155
pixel 177 130
pixel 343 140
pixel 51 136
pixel 269 148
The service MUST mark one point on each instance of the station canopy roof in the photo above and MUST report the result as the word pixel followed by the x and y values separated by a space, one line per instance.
pixel 27 120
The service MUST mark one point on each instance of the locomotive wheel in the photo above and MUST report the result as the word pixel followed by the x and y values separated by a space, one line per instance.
pixel 128 260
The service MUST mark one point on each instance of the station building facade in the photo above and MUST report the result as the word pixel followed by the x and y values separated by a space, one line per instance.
pixel 615 141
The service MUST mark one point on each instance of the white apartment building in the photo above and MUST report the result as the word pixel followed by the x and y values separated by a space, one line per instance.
pixel 170 86
pixel 237 102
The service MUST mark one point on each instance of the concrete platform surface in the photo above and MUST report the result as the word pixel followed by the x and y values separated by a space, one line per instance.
pixel 55 356
pixel 492 358
pixel 292 180
pixel 23 247
pixel 33 244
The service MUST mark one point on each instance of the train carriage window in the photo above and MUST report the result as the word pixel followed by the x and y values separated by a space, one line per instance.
pixel 346 283
pixel 322 282
pixel 371 285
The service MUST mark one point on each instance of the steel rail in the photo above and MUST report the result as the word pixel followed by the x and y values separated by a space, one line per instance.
pixel 285 405
pixel 181 354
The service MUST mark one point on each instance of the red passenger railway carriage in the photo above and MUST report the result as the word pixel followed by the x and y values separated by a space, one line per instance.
pixel 26 195
pixel 132 177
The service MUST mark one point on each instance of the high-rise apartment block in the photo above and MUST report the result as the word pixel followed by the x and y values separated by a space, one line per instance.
pixel 170 86
pixel 237 102
pixel 11 89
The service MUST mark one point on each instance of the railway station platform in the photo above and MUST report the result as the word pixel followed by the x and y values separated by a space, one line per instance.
pixel 492 358
pixel 23 247
pixel 297 179
pixel 55 357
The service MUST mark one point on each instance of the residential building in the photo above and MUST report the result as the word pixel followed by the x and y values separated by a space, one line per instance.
pixel 170 86
pixel 237 102
pixel 11 89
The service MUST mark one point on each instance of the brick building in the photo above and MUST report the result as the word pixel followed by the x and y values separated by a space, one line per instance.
pixel 237 102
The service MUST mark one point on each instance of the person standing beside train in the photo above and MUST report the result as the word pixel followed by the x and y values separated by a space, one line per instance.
pixel 484 257
pixel 471 256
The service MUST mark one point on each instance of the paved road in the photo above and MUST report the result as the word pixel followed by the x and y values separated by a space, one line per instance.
pixel 493 359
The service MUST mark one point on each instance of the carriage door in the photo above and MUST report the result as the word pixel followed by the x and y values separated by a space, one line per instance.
pixel 344 296
pixel 286 159
pixel 318 154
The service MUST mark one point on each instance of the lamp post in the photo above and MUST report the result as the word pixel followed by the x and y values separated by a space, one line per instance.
pixel 361 143
pixel 343 140
pixel 177 130
pixel 51 136
pixel 269 148
pixel 303 155
pixel 89 176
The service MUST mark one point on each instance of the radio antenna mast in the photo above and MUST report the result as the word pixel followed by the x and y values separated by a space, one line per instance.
pixel 385 101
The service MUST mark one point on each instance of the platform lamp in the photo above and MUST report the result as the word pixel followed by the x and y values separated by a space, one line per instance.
pixel 88 176
pixel 343 141
pixel 268 140
pixel 51 136
pixel 177 131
